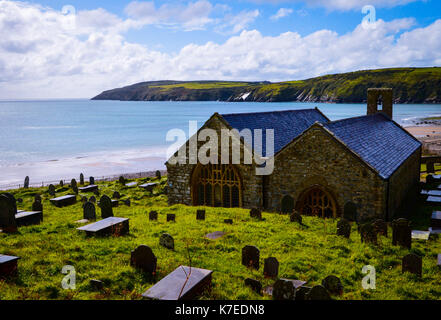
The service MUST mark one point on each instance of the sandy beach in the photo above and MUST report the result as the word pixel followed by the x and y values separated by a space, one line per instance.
pixel 430 136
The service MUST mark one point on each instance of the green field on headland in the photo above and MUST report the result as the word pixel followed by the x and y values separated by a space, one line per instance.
pixel 309 252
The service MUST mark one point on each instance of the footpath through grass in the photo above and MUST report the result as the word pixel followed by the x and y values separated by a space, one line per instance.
pixel 309 252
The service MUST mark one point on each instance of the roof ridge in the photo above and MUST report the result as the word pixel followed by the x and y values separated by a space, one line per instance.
pixel 266 112
pixel 357 117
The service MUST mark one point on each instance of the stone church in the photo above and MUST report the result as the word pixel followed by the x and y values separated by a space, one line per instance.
pixel 361 168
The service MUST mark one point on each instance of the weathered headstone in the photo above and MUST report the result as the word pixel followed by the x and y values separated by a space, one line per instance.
pixel 295 216
pixel 73 184
pixel 37 197
pixel 122 180
pixel 167 241
pixel 51 190
pixel 8 266
pixel 200 215
pixel 143 258
pixel 26 182
pixel 344 228
pixel 91 180
pixel 283 289
pixel 228 221
pixel 333 285
pixel 7 215
pixel 89 211
pixel 380 227
pixel 92 199
pixel 251 257
pixel 171 217
pixel 37 206
pixel 158 174
pixel 153 216
pixel 61 183
pixel 401 233
pixel 96 192
pixel 412 263
pixel 271 267
pixel 81 179
pixel 116 195
pixel 12 200
pixel 302 292
pixel 318 293
pixel 256 213
pixel 96 285
pixel 106 207
pixel 368 233
pixel 255 285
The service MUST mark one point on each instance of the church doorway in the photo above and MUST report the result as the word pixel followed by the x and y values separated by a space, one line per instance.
pixel 317 202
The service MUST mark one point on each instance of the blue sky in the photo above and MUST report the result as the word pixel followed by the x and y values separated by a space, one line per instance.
pixel 107 44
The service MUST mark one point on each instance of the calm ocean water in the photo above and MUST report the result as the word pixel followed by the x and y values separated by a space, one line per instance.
pixel 58 139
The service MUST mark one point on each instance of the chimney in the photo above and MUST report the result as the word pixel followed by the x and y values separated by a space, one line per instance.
pixel 380 100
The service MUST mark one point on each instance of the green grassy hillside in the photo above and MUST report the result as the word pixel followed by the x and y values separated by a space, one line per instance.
pixel 309 252
pixel 411 85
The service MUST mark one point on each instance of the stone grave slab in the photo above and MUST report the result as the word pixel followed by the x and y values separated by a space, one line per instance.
pixel 115 203
pixel 148 186
pixel 175 285
pixel 89 188
pixel 82 221
pixel 215 235
pixel 434 200
pixel 420 235
pixel 8 265
pixel 435 193
pixel 64 201
pixel 131 184
pixel 435 221
pixel 109 226
pixel 28 218
pixel 434 231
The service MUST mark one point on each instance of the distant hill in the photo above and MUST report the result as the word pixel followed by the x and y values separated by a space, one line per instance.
pixel 411 85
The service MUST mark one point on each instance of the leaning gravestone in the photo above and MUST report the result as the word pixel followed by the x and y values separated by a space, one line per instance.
pixel 106 207
pixel 368 234
pixel 153 216
pixel 333 285
pixel 412 263
pixel 158 174
pixel 255 285
pixel 51 190
pixel 401 233
pixel 26 182
pixel 81 179
pixel 200 215
pixel 256 213
pixel 167 241
pixel 143 258
pixel 284 289
pixel 7 215
pixel 271 267
pixel 171 217
pixel 91 180
pixel 89 211
pixel 37 206
pixel 295 217
pixel 251 257
pixel 380 227
pixel 344 228
pixel 318 293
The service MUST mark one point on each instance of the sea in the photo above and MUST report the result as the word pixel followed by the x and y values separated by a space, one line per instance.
pixel 54 140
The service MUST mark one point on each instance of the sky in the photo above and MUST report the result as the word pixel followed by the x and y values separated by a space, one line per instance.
pixel 59 49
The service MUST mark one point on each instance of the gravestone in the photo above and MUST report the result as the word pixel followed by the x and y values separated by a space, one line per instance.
pixel 61 183
pixel 143 258
pixel 89 211
pixel 333 285
pixel 215 235
pixel 106 227
pixel 158 174
pixel 380 227
pixel 73 184
pixel 412 263
pixel 96 285
pixel 122 180
pixel 37 206
pixel 283 289
pixel 89 188
pixel 81 179
pixel 167 241
pixel 26 182
pixel 64 200
pixel 171 217
pixel 83 199
pixel 255 285
pixel 8 266
pixel 287 205
pixel 344 228
pixel 91 180
pixel 7 215
pixel 318 293
pixel 116 195
pixel 302 292
pixel 295 217
pixel 37 197
pixel 96 192
pixel 368 233
pixel 115 203
pixel 228 221
pixel 92 199
pixel 401 233
pixel 271 267
pixel 28 218
pixel 153 216
pixel 256 213
pixel 106 207
pixel 51 190
pixel 430 167
pixel 200 215
pixel 127 202
pixel 251 257
pixel 148 186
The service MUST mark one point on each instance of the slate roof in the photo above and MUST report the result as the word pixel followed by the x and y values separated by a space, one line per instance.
pixel 287 125
pixel 378 140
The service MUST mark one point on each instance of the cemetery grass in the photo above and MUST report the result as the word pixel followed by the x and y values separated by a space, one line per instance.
pixel 309 252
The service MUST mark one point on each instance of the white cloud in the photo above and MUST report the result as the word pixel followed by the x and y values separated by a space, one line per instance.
pixel 281 13
pixel 235 23
pixel 40 56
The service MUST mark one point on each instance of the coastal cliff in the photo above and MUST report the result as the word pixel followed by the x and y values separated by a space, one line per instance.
pixel 411 85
